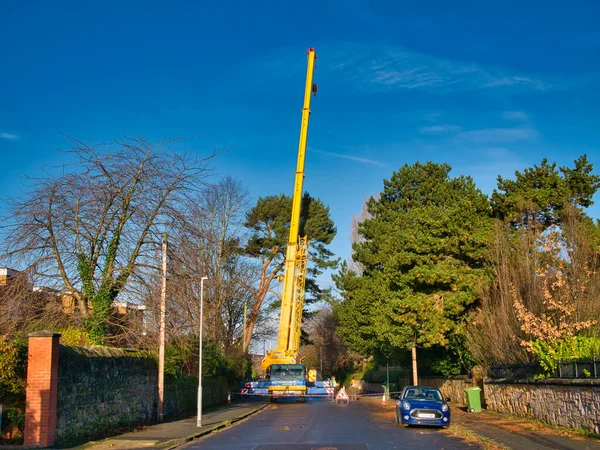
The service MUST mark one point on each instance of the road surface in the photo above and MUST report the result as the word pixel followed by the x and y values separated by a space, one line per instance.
pixel 320 424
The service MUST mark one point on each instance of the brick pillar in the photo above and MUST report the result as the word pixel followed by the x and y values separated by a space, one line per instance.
pixel 42 389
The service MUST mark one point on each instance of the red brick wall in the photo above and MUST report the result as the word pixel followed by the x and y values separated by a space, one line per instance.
pixel 42 388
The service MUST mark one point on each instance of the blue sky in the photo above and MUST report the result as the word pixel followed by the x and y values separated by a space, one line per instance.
pixel 489 87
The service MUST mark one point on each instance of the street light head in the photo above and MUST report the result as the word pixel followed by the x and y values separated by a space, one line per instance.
pixel 204 278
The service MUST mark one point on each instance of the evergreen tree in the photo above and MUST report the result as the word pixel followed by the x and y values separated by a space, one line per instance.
pixel 539 195
pixel 269 224
pixel 424 255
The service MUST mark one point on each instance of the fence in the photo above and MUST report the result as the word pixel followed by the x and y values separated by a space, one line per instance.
pixel 578 368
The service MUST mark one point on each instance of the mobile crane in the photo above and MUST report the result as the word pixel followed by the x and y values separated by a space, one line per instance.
pixel 286 374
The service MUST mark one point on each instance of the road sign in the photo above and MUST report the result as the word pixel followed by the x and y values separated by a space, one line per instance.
pixel 342 396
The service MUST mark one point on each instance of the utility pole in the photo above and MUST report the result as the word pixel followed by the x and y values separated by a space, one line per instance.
pixel 199 418
pixel 244 341
pixel 321 357
pixel 161 349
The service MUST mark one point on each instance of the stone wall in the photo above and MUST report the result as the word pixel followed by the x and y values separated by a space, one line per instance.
pixel 453 387
pixel 564 402
pixel 102 389
pixel 181 394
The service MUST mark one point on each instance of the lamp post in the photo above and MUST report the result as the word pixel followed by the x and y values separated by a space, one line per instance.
pixel 199 418
pixel 388 377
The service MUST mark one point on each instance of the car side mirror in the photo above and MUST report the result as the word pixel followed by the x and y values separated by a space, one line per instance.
pixel 448 400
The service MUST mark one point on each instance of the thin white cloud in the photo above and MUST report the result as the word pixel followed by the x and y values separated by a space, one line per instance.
pixel 498 135
pixel 517 116
pixel 439 129
pixel 9 136
pixel 432 117
pixel 384 67
pixel 350 157
pixel 497 153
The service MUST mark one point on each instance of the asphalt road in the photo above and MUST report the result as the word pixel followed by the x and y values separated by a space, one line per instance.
pixel 320 424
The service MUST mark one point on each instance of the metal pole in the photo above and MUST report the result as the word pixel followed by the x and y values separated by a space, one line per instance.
pixel 161 350
pixel 388 377
pixel 199 418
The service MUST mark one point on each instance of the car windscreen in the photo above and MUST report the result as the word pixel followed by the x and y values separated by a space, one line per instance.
pixel 422 394
pixel 287 372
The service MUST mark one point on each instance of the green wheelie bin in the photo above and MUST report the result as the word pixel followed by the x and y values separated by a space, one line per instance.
pixel 473 399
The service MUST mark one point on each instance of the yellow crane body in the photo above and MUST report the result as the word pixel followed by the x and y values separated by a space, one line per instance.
pixel 292 297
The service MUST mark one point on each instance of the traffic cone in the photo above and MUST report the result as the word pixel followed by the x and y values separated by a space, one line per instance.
pixel 229 398
pixel 383 399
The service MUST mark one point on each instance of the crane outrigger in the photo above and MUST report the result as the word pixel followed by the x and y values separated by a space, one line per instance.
pixel 286 374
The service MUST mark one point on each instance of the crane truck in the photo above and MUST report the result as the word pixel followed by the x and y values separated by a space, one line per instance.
pixel 285 372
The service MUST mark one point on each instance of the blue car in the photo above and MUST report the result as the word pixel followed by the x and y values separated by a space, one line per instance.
pixel 422 405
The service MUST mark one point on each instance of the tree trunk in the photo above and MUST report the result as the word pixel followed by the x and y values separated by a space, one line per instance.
pixel 82 304
pixel 259 296
pixel 415 375
pixel 250 326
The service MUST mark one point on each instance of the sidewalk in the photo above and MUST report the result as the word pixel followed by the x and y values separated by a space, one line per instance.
pixel 169 435
pixel 514 433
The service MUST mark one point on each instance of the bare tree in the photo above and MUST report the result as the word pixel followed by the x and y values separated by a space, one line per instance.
pixel 356 237
pixel 519 261
pixel 207 243
pixel 94 230
pixel 27 310
pixel 329 347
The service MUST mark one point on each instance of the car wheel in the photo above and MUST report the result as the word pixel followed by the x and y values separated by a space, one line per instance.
pixel 406 425
pixel 445 427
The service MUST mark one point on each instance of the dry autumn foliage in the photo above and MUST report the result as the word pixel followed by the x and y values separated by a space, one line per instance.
pixel 545 289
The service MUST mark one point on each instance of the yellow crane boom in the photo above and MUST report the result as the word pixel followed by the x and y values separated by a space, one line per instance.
pixel 292 298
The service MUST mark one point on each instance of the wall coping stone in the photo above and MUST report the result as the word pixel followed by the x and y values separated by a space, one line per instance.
pixel 449 378
pixel 44 333
pixel 546 381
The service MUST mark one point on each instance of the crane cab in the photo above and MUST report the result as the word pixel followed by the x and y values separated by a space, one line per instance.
pixel 287 380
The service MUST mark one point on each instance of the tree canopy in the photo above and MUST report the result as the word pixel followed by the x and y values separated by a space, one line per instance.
pixel 540 194
pixel 268 223
pixel 423 252
pixel 94 230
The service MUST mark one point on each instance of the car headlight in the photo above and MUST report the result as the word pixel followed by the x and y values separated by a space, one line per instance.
pixel 406 405
pixel 444 407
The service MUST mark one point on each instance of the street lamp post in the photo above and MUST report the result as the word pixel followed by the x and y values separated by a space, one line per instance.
pixel 199 418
